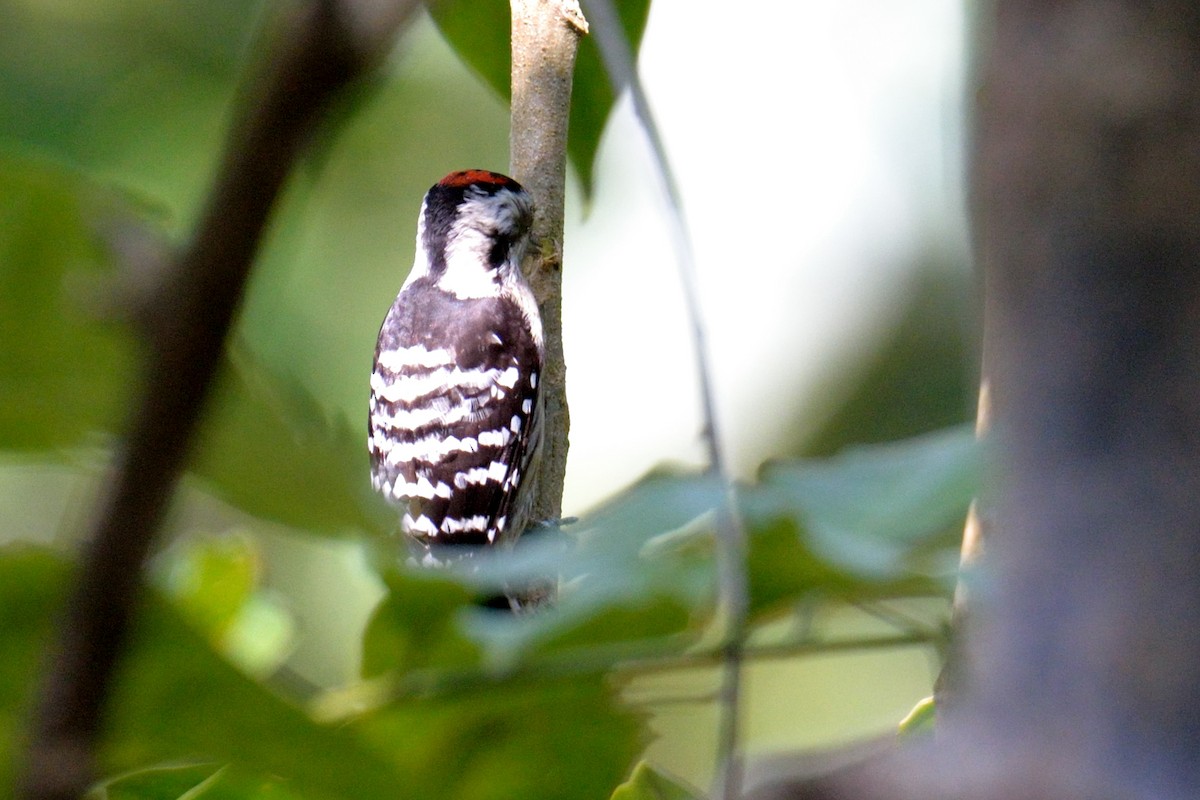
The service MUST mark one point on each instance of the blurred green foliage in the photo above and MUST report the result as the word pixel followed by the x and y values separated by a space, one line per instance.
pixel 648 783
pixel 479 31
pixel 111 117
pixel 919 379
pixel 65 372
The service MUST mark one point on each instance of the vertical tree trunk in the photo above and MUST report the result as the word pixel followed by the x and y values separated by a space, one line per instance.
pixel 1082 656
pixel 545 36
pixel 1085 658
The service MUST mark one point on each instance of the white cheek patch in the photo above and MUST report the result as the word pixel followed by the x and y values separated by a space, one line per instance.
pixel 468 274
pixel 470 242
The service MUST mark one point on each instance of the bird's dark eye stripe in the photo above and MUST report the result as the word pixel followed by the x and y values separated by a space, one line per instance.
pixel 499 252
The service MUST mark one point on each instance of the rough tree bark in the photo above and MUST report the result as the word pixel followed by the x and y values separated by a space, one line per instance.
pixel 1082 655
pixel 545 37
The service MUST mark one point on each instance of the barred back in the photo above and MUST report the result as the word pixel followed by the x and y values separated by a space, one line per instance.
pixel 455 414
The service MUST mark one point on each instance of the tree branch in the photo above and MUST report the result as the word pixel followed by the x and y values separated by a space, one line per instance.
pixel 545 37
pixel 321 47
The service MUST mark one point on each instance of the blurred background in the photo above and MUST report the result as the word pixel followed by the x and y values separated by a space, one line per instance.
pixel 818 146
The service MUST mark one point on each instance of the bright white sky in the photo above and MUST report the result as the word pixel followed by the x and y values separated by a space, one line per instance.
pixel 817 147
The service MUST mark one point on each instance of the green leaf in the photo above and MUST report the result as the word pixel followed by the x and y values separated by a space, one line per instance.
pixel 174 698
pixel 416 625
pixel 592 97
pixel 871 523
pixel 29 584
pixel 862 519
pixel 65 372
pixel 901 491
pixel 176 701
pixel 545 738
pixel 68 372
pixel 637 569
pixel 650 783
pixel 269 447
pixel 216 583
pixel 782 570
pixel 212 579
pixel 132 88
pixel 169 782
pixel 190 782
pixel 480 33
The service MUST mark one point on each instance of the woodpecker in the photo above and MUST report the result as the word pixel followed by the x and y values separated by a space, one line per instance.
pixel 455 425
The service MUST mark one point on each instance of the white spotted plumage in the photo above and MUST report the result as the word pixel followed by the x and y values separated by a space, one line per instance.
pixel 454 430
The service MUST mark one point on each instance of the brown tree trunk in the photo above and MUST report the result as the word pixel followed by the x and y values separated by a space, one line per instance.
pixel 1082 658
pixel 1086 169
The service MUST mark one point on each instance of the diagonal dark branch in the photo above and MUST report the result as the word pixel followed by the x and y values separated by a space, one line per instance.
pixel 731 536
pixel 321 47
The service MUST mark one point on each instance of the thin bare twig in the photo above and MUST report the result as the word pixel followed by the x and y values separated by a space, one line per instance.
pixel 731 545
pixel 322 47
